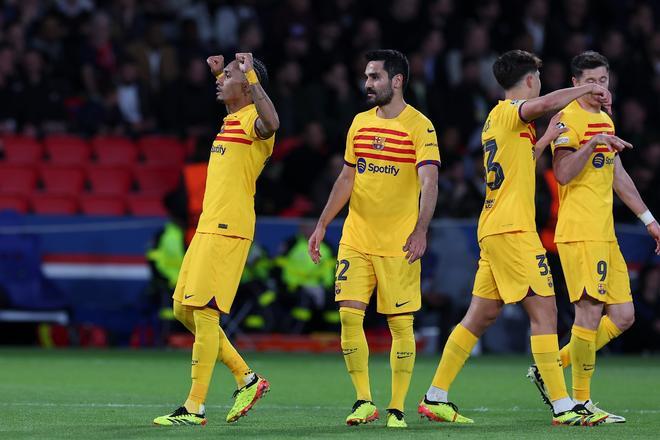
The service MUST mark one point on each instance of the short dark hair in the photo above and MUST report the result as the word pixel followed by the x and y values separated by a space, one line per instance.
pixel 260 70
pixel 512 66
pixel 588 60
pixel 394 63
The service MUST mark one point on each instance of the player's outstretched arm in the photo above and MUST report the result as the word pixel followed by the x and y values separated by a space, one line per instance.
pixel 555 128
pixel 341 192
pixel 268 121
pixel 557 100
pixel 568 164
pixel 626 190
pixel 416 244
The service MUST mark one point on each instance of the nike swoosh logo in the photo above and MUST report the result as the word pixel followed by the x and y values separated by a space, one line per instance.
pixel 402 304
pixel 430 130
pixel 403 357
pixel 188 296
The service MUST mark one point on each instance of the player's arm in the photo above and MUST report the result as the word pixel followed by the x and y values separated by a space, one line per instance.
pixel 340 194
pixel 268 121
pixel 555 128
pixel 557 100
pixel 567 164
pixel 626 190
pixel 416 244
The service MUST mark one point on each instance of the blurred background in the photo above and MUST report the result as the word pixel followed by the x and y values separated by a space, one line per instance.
pixel 107 113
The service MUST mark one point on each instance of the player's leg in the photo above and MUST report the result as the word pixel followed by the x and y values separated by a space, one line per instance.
pixel 205 352
pixel 354 283
pixel 480 315
pixel 484 308
pixel 399 296
pixel 588 312
pixel 402 362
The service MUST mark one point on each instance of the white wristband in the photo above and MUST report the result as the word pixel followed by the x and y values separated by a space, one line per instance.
pixel 646 217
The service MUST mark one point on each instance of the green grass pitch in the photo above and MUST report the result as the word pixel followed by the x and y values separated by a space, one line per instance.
pixel 115 395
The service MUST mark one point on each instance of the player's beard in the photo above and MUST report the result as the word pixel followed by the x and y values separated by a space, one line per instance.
pixel 381 98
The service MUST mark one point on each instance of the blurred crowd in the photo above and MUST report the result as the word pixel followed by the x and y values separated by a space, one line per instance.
pixel 136 67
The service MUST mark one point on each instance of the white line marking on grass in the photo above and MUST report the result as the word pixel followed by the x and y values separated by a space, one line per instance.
pixel 482 409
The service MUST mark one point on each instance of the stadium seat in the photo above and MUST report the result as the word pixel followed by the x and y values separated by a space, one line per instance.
pixel 156 180
pixel 146 205
pixel 109 180
pixel 22 150
pixel 14 203
pixel 62 180
pixel 17 179
pixel 53 204
pixel 102 205
pixel 162 150
pixel 67 150
pixel 114 150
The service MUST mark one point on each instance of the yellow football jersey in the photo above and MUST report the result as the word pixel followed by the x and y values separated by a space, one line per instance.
pixel 237 157
pixel 508 144
pixel 585 203
pixel 384 204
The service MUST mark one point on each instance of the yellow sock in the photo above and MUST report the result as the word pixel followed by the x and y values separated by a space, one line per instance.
pixel 583 357
pixel 456 351
pixel 230 357
pixel 204 355
pixel 402 357
pixel 607 330
pixel 355 349
pixel 545 349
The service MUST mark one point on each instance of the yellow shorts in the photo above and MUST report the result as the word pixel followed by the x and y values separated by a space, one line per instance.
pixel 512 266
pixel 211 270
pixel 397 282
pixel 596 268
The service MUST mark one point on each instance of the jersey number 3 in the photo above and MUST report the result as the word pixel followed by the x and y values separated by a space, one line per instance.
pixel 490 148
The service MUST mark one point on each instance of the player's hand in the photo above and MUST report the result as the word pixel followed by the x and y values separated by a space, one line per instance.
pixel 654 232
pixel 555 127
pixel 314 242
pixel 245 62
pixel 615 143
pixel 604 96
pixel 216 63
pixel 415 246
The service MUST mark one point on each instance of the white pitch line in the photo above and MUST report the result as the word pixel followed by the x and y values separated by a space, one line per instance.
pixel 482 409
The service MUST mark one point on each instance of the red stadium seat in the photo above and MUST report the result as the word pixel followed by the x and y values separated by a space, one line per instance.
pixel 22 150
pixel 53 204
pixel 14 203
pixel 62 179
pixel 17 180
pixel 156 180
pixel 102 205
pixel 146 205
pixel 114 150
pixel 109 180
pixel 67 150
pixel 162 150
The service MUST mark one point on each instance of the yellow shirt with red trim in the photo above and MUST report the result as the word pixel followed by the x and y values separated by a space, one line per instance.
pixel 384 204
pixel 585 203
pixel 237 157
pixel 508 144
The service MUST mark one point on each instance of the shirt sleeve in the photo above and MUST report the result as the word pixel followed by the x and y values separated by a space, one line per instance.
pixel 512 118
pixel 426 146
pixel 349 154
pixel 250 126
pixel 566 141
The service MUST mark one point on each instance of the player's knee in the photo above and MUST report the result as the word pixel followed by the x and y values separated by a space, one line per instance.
pixel 401 326
pixel 179 312
pixel 624 320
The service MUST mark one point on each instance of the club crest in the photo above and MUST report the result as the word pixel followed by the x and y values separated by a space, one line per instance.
pixel 378 143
